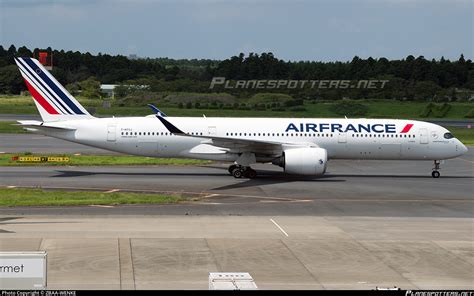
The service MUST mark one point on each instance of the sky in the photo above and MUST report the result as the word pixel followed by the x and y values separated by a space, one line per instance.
pixel 318 30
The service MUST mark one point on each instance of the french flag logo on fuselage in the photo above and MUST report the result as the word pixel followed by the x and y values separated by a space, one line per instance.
pixel 46 91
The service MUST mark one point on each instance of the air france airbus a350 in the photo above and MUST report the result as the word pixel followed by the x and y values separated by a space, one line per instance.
pixel 300 146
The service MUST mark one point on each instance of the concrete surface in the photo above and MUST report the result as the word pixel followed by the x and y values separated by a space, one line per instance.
pixel 302 252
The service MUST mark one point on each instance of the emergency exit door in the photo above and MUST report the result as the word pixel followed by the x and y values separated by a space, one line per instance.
pixel 423 136
pixel 111 133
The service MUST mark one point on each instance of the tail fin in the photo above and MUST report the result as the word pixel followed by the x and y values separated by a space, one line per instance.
pixel 53 101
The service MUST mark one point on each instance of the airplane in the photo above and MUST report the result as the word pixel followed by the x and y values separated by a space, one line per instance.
pixel 301 146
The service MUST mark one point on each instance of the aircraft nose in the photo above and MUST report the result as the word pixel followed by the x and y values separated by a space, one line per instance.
pixel 464 148
pixel 461 148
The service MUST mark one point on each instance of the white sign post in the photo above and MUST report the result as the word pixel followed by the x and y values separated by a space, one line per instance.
pixel 23 270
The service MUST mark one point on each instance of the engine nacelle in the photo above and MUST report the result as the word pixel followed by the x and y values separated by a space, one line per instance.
pixel 304 161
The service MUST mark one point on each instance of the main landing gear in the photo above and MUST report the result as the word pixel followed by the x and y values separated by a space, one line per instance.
pixel 239 171
pixel 435 173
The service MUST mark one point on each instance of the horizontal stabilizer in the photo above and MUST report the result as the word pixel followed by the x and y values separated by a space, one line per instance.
pixel 41 125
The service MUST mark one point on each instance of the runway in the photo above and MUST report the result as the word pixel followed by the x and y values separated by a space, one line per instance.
pixel 350 188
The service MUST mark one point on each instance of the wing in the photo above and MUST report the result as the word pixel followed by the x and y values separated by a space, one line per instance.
pixel 238 145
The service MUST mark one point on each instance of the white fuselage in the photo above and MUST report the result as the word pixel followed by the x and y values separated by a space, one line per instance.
pixel 342 138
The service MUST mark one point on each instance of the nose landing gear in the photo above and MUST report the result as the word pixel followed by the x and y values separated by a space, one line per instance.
pixel 239 171
pixel 435 173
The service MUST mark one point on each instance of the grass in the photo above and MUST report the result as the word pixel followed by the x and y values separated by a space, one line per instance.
pixel 377 109
pixel 465 135
pixel 11 127
pixel 89 160
pixel 14 197
pixel 25 104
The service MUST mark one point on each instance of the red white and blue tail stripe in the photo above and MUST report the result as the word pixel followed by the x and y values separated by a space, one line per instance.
pixel 53 101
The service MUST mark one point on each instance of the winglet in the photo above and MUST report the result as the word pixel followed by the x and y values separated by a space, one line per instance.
pixel 156 110
pixel 171 128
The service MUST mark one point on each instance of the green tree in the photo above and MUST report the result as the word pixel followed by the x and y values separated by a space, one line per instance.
pixel 426 90
pixel 90 88
pixel 10 80
pixel 73 88
pixel 121 91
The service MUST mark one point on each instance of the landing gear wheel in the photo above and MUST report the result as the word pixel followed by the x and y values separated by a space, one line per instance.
pixel 237 173
pixel 435 173
pixel 231 169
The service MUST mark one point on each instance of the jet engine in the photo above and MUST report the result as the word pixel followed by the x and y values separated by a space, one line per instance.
pixel 303 161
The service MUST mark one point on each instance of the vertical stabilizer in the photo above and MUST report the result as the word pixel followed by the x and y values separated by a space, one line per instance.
pixel 53 101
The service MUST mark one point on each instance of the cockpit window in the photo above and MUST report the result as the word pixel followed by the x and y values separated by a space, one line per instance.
pixel 448 136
